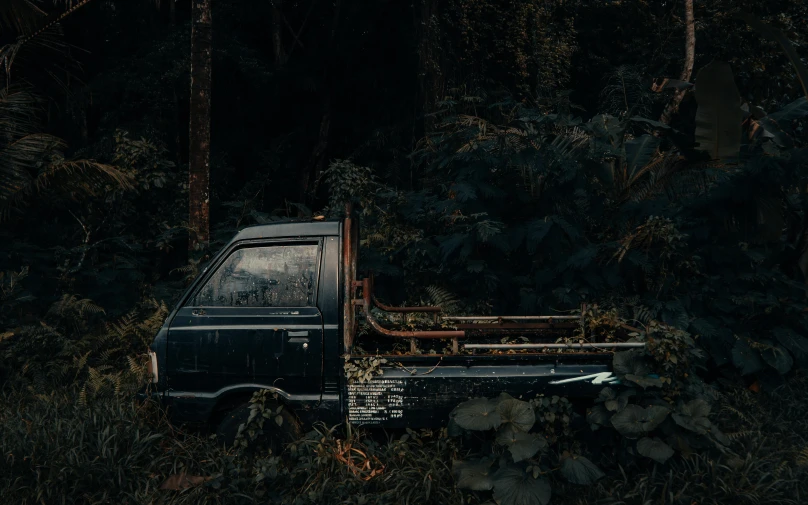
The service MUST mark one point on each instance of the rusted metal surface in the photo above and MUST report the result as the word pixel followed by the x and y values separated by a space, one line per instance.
pixel 516 326
pixel 367 303
pixel 511 318
pixel 472 323
pixel 412 334
pixel 348 284
pixel 390 308
pixel 602 345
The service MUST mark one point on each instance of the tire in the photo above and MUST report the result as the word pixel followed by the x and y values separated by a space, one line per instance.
pixel 275 437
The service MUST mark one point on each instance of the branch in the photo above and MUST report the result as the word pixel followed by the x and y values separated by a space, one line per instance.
pixel 85 247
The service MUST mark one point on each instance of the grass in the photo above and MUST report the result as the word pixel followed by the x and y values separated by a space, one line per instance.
pixel 114 450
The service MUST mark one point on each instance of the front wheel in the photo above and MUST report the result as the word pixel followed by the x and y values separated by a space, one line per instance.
pixel 279 428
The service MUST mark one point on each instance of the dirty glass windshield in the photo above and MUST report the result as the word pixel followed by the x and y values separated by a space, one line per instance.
pixel 275 276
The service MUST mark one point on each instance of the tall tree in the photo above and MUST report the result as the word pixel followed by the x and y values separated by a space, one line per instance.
pixel 199 133
pixel 687 71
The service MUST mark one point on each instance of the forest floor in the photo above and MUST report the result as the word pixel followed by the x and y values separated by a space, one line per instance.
pixel 66 446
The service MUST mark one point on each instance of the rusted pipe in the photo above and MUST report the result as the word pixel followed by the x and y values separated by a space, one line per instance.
pixel 366 304
pixel 509 318
pixel 604 345
pixel 515 326
pixel 390 308
pixel 348 284
pixel 412 334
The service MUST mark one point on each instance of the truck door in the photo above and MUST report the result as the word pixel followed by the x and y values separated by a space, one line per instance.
pixel 253 320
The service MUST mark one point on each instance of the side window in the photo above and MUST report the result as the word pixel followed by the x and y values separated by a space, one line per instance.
pixel 273 276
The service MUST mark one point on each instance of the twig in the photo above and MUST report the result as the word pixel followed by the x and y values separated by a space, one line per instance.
pixel 300 31
pixel 434 367
pixel 85 247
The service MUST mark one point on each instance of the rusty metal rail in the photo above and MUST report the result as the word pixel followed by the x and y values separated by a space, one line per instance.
pixel 390 308
pixel 603 345
pixel 510 318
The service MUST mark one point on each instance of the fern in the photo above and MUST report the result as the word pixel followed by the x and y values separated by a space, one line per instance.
pixel 73 306
pixel 802 457
pixel 626 89
pixel 442 298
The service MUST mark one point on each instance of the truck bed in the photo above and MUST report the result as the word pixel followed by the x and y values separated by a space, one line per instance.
pixel 420 391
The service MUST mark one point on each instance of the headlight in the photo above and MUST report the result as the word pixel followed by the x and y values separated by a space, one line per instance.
pixel 152 366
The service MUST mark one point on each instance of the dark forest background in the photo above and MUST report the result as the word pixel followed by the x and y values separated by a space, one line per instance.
pixel 507 157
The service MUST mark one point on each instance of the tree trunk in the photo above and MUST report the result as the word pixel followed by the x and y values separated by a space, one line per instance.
pixel 277 41
pixel 690 56
pixel 199 130
pixel 317 159
pixel 427 75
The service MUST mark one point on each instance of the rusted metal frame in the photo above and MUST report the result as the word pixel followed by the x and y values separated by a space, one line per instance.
pixel 369 299
pixel 401 310
pixel 390 308
pixel 510 318
pixel 516 326
pixel 582 319
pixel 413 336
pixel 366 303
pixel 603 345
pixel 348 278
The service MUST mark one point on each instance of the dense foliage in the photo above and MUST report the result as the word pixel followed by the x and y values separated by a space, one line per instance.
pixel 505 156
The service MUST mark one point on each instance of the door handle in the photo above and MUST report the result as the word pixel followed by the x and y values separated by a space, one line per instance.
pixel 299 340
pixel 198 312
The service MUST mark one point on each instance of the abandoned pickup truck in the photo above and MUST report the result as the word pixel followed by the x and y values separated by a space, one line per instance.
pixel 278 309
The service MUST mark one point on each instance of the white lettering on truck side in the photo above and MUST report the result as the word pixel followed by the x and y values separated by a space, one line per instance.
pixel 598 378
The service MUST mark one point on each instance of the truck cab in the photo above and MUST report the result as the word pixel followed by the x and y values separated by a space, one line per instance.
pixel 264 314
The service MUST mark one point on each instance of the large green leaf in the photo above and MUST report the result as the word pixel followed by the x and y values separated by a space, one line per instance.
pixel 598 416
pixel 651 122
pixel 776 35
pixel 795 110
pixel 778 358
pixel 520 444
pixel 611 401
pixel 536 231
pixel 473 475
pixel 453 429
pixel 695 408
pixel 639 152
pixel 645 381
pixel 579 470
pixel 746 358
pixel 512 486
pixel 692 416
pixel 517 414
pixel 793 342
pixel 633 362
pixel 655 449
pixel 477 414
pixel 635 421
pixel 719 114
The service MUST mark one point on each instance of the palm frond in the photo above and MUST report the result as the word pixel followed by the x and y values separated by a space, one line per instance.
pixel 74 179
pixel 20 16
pixel 18 113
